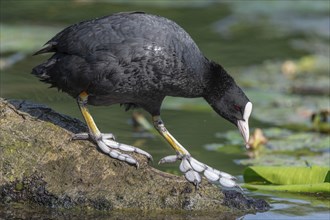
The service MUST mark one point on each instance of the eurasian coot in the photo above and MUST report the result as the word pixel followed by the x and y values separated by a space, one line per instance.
pixel 137 59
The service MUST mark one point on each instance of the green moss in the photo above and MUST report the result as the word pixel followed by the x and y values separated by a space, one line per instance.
pixel 19 186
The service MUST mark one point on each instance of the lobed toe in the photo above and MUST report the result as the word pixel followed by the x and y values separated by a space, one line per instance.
pixel 196 165
pixel 104 147
pixel 227 182
pixel 211 176
pixel 168 159
pixel 193 177
pixel 185 165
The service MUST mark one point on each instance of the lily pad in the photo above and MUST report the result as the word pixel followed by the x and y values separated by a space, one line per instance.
pixel 227 149
pixel 283 147
pixel 283 139
pixel 313 179
pixel 306 188
pixel 287 175
pixel 231 137
pixel 273 159
pixel 289 91
pixel 285 109
pixel 312 141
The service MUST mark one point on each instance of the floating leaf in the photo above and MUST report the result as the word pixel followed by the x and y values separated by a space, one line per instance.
pixel 280 159
pixel 307 188
pixel 288 175
pixel 284 148
pixel 293 179
pixel 301 140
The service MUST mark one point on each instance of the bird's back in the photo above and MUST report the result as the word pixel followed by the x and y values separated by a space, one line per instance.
pixel 100 34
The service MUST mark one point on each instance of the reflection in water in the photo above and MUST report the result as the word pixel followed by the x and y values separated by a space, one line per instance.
pixel 293 206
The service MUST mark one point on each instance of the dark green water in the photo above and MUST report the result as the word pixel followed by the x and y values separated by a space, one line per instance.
pixel 193 127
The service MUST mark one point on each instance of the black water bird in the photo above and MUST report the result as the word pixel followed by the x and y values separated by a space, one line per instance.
pixel 138 59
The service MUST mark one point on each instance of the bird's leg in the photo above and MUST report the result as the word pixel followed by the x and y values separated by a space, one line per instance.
pixel 105 142
pixel 191 167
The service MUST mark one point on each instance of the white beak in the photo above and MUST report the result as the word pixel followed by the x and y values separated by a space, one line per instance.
pixel 243 125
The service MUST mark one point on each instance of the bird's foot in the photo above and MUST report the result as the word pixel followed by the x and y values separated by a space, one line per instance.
pixel 107 144
pixel 193 169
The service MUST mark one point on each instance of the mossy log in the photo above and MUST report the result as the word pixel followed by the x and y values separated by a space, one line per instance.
pixel 39 164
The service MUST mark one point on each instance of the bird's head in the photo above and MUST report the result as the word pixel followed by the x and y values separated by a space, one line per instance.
pixel 236 108
pixel 230 102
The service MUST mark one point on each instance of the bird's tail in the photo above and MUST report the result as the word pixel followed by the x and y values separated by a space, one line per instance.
pixel 49 47
pixel 44 71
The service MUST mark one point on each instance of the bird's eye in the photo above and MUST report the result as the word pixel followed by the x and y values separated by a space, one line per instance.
pixel 237 108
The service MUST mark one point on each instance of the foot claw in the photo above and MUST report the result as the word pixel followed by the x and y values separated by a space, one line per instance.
pixel 139 151
pixel 123 157
pixel 109 136
pixel 193 169
pixel 124 147
pixel 107 144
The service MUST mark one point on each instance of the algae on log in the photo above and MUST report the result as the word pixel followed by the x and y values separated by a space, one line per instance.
pixel 39 164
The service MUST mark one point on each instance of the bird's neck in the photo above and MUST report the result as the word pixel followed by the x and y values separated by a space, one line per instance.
pixel 218 81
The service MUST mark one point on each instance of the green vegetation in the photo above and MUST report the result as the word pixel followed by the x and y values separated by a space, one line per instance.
pixel 291 179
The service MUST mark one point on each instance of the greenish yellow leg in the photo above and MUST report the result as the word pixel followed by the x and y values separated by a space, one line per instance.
pixel 192 168
pixel 105 142
pixel 159 125
pixel 82 102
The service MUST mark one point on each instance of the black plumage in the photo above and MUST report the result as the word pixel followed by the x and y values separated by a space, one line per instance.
pixel 138 59
pixel 131 58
